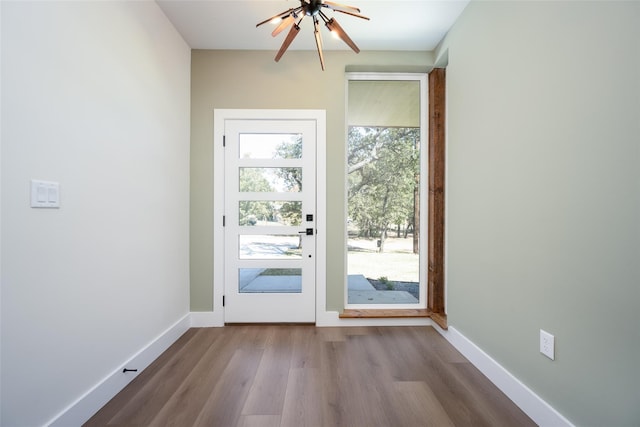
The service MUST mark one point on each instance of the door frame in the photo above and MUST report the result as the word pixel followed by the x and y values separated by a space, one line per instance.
pixel 219 118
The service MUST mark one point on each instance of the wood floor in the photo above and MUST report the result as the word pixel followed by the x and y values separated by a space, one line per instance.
pixel 282 375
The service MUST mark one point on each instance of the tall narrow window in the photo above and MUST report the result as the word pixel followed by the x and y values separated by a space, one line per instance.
pixel 386 170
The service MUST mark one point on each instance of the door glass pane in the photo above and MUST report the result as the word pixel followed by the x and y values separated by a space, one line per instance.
pixel 270 180
pixel 265 246
pixel 267 212
pixel 270 280
pixel 270 146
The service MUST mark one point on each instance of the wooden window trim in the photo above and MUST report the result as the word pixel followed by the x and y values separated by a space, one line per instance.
pixel 435 240
pixel 435 289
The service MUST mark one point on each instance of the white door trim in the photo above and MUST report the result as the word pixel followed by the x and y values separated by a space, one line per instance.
pixel 219 117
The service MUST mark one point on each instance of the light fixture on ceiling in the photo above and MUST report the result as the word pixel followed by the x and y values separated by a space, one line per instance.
pixel 313 8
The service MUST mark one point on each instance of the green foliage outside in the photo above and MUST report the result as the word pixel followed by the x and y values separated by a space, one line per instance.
pixel 252 180
pixel 384 174
pixel 281 272
pixel 290 212
pixel 255 180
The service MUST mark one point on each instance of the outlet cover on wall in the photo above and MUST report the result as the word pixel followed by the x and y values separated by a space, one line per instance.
pixel 547 344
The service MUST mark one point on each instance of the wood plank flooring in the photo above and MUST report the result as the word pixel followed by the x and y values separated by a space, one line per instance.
pixel 298 375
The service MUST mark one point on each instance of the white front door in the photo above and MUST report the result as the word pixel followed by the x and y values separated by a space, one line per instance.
pixel 269 220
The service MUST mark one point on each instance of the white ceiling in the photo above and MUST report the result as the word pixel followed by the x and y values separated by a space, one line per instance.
pixel 395 25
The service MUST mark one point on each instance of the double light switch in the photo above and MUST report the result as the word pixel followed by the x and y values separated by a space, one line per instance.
pixel 45 194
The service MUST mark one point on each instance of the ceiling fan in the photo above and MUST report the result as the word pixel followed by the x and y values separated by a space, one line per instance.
pixel 313 8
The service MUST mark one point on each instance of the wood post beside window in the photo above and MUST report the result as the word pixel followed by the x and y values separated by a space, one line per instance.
pixel 435 290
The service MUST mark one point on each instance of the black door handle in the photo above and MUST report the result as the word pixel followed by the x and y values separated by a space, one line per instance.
pixel 308 232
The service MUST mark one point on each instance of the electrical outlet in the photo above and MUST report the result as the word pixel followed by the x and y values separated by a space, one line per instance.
pixel 547 344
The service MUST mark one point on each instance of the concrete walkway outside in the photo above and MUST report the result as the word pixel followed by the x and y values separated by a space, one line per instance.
pixel 361 291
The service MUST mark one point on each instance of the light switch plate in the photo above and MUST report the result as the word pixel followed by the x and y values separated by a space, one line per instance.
pixel 45 194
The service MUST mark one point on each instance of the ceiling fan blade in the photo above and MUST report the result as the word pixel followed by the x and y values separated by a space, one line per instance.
pixel 316 32
pixel 334 27
pixel 283 25
pixel 279 15
pixel 334 6
pixel 293 32
pixel 357 15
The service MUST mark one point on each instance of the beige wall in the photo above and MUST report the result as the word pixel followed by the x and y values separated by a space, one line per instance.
pixel 543 197
pixel 252 80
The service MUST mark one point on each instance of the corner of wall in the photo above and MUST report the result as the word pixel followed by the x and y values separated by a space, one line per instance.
pixel 87 405
pixel 531 404
pixel 207 319
pixel 442 59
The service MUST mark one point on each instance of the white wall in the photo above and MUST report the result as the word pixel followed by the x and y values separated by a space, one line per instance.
pixel 0 218
pixel 95 95
pixel 543 197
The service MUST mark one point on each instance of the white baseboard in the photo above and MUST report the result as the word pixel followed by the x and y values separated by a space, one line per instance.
pixel 86 406
pixel 332 318
pixel 531 404
pixel 215 319
pixel 207 319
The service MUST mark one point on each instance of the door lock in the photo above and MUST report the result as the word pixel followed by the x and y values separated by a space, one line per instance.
pixel 308 232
